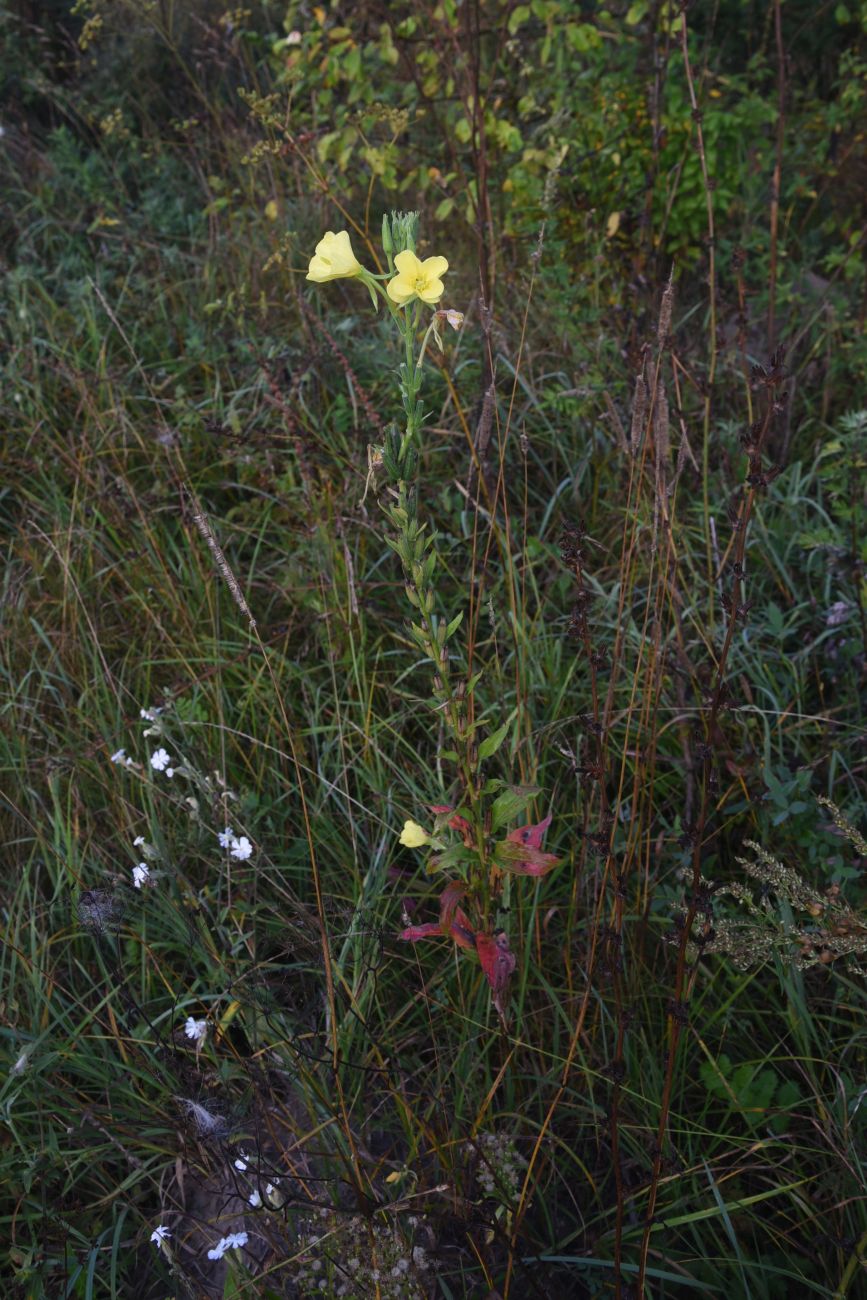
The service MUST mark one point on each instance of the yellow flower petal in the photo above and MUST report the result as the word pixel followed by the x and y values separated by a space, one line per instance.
pixel 434 267
pixel 333 259
pixel 417 279
pixel 407 263
pixel 400 290
pixel 413 836
pixel 432 291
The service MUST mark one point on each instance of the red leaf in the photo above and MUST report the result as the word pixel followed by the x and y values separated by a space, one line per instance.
pixel 430 930
pixel 453 923
pixel 498 962
pixel 532 836
pixel 461 930
pixel 457 823
pixel 449 899
pixel 535 863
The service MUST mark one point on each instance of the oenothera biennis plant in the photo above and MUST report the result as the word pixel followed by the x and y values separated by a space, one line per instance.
pixel 479 856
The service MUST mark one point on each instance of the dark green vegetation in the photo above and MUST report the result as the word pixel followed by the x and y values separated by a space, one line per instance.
pixel 655 527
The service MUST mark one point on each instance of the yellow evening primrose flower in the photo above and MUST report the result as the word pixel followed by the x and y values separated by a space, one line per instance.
pixel 413 836
pixel 333 259
pixel 417 279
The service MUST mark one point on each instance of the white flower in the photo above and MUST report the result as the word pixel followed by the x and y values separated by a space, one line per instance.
pixel 241 1162
pixel 242 849
pixel 270 1189
pixel 233 1242
pixel 255 1199
pixel 140 874
pixel 160 760
pixel 196 1029
pixel 119 756
pixel 139 839
pixel 159 1235
pixel 226 837
pixel 294 38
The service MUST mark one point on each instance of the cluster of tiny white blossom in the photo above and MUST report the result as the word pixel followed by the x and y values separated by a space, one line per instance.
pixel 354 1258
pixel 499 1172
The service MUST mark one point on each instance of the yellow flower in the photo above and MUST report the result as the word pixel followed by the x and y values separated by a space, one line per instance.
pixel 333 259
pixel 413 836
pixel 417 279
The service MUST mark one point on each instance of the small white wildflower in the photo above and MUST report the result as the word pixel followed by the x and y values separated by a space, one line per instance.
pixel 255 1199
pixel 170 771
pixel 234 1241
pixel 226 837
pixel 196 1029
pixel 129 762
pixel 242 849
pixel 140 875
pixel 119 756
pixel 159 1235
pixel 160 760
pixel 241 1162
pixel 294 38
pixel 270 1189
pixel 139 839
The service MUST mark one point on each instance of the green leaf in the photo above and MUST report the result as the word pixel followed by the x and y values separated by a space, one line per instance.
pixel 510 803
pixel 444 209
pixel 492 743
pixel 449 755
pixel 519 15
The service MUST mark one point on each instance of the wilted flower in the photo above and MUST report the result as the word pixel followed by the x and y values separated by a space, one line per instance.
pixel 413 836
pixel 837 614
pixel 226 837
pixel 99 910
pixel 417 279
pixel 208 1123
pixel 119 756
pixel 242 849
pixel 333 259
pixel 454 318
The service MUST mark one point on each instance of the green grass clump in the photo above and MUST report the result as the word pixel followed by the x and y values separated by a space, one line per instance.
pixel 645 495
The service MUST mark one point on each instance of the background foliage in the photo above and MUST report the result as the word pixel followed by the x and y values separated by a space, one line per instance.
pixel 165 172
